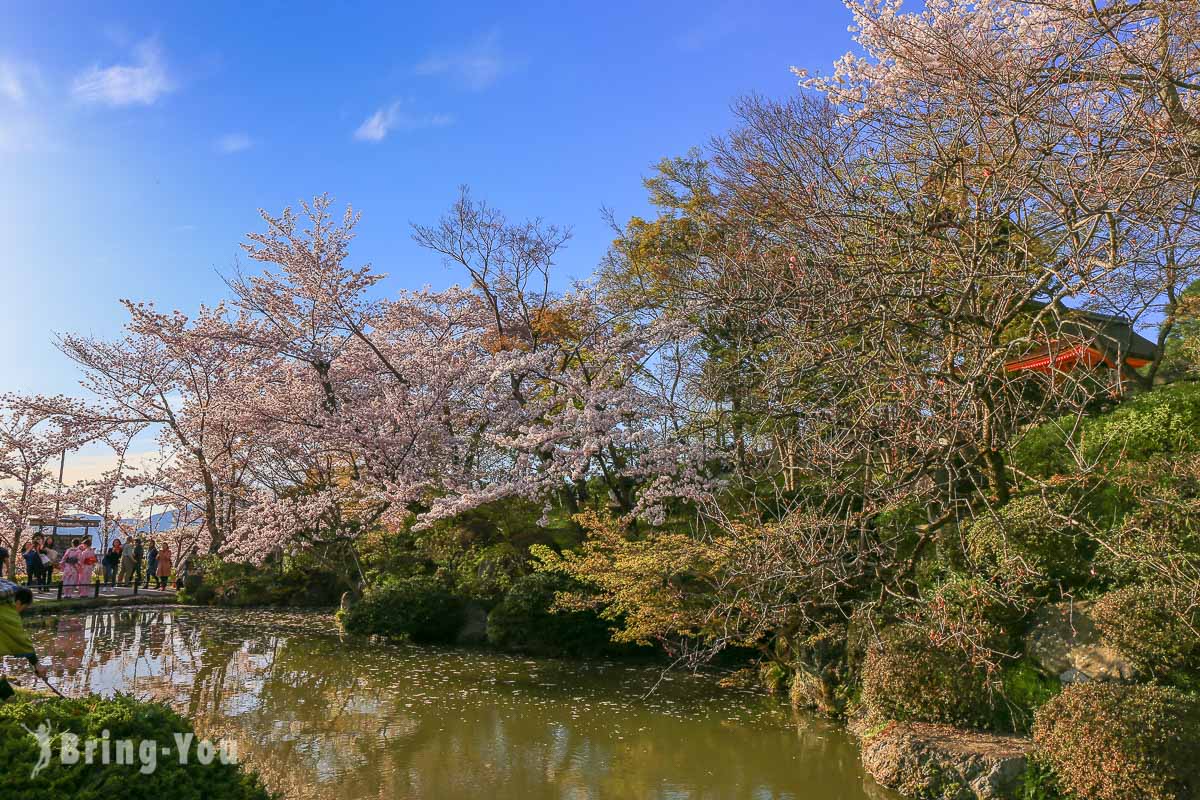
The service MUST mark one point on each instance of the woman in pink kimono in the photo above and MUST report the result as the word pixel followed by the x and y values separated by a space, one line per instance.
pixel 70 568
pixel 87 563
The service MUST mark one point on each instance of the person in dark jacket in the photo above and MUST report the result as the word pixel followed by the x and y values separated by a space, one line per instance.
pixel 112 560
pixel 138 553
pixel 151 563
pixel 33 565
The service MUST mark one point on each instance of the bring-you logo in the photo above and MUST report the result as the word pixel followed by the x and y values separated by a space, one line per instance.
pixel 68 749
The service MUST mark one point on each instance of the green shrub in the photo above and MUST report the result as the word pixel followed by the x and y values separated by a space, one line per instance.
pixel 420 608
pixel 485 574
pixel 971 609
pixel 1043 450
pixel 1147 625
pixel 300 582
pixel 524 621
pixel 1029 543
pixel 1165 421
pixel 1110 741
pixel 1161 532
pixel 124 718
pixel 1025 690
pixel 906 678
pixel 1039 782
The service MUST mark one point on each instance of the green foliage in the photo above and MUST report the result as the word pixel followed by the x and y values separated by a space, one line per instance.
pixel 1044 450
pixel 526 620
pixel 1163 422
pixel 487 573
pixel 1109 741
pixel 122 717
pixel 968 608
pixel 905 678
pixel 1181 357
pixel 1025 690
pixel 298 582
pixel 1032 543
pixel 1039 782
pixel 1148 625
pixel 420 608
pixel 772 676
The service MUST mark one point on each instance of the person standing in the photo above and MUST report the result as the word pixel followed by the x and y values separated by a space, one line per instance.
pixel 138 553
pixel 111 560
pixel 87 563
pixel 151 563
pixel 52 559
pixel 127 565
pixel 70 568
pixel 163 567
pixel 33 565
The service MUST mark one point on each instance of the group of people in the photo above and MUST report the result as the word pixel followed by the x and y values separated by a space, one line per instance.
pixel 121 563
pixel 41 559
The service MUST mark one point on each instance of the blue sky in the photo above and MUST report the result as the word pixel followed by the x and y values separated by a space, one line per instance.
pixel 138 141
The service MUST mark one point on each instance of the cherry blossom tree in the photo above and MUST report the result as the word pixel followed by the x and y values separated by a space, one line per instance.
pixel 28 487
pixel 99 495
pixel 419 407
pixel 167 373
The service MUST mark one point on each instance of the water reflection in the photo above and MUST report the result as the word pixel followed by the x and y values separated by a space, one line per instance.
pixel 323 717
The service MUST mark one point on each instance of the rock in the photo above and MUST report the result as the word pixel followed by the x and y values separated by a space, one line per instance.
pixel 809 692
pixel 1065 643
pixel 922 760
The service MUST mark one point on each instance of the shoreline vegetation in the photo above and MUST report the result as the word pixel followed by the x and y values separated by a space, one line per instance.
pixel 113 719
pixel 893 395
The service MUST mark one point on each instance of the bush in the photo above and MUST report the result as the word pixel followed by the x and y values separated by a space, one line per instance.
pixel 1165 421
pixel 1028 544
pixel 905 678
pixel 420 608
pixel 302 582
pixel 124 718
pixel 971 609
pixel 1026 690
pixel 1109 741
pixel 1045 450
pixel 523 621
pixel 1146 625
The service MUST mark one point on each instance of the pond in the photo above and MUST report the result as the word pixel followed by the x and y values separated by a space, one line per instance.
pixel 322 716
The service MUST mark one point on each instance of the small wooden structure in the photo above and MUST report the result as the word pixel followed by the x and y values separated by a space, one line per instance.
pixel 1088 340
pixel 60 540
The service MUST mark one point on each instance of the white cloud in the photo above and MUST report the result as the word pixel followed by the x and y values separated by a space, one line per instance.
pixel 234 143
pixel 24 127
pixel 140 83
pixel 476 66
pixel 11 85
pixel 376 127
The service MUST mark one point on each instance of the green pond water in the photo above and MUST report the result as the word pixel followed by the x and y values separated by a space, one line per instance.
pixel 321 716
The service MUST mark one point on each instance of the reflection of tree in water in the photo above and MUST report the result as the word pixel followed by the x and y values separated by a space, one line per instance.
pixel 323 718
